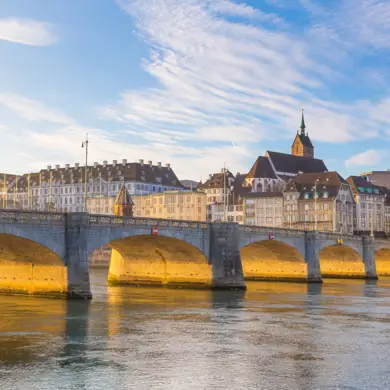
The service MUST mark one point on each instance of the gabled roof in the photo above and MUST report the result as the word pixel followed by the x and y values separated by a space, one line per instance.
pixel 239 191
pixel 216 180
pixel 261 169
pixel 327 184
pixel 289 163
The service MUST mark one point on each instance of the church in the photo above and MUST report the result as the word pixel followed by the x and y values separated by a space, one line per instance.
pixel 271 172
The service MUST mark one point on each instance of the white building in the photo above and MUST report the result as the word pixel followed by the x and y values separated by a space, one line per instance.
pixel 63 189
pixel 370 205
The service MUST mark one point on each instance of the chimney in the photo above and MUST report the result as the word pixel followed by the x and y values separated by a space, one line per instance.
pixel 210 176
pixel 114 163
pixel 95 164
pixel 238 174
pixel 49 167
pixel 57 167
pixel 150 163
pixel 141 162
pixel 159 164
pixel 66 166
pixel 124 161
pixel 105 163
pixel 168 166
pixel 76 165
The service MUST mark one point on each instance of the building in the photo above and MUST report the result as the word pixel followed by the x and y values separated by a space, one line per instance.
pixel 319 201
pixel 269 173
pixel 64 189
pixel 123 206
pixel 217 187
pixel 378 178
pixel 370 205
pixel 264 209
pixel 302 145
pixel 188 205
pixel 100 204
pixel 387 212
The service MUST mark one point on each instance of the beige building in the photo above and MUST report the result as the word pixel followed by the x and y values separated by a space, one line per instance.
pixel 188 205
pixel 322 201
pixel 101 204
pixel 264 209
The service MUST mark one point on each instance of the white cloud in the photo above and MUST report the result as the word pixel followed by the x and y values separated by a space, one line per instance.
pixel 31 110
pixel 369 158
pixel 28 32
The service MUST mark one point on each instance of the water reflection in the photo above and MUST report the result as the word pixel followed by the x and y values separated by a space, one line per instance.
pixel 272 336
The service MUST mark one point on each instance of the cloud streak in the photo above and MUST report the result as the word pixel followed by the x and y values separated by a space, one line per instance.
pixel 27 32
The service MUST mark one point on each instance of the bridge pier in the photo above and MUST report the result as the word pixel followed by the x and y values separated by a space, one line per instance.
pixel 369 257
pixel 76 258
pixel 225 257
pixel 312 259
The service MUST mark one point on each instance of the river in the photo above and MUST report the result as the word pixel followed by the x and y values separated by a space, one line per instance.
pixel 273 336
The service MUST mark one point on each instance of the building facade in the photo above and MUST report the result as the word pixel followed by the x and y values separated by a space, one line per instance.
pixel 264 209
pixel 319 201
pixel 377 178
pixel 370 205
pixel 188 205
pixel 65 189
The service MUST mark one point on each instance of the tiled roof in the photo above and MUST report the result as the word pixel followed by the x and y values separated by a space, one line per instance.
pixel 261 169
pixel 288 163
pixel 327 185
pixel 362 186
pixel 217 181
pixel 305 140
pixel 143 173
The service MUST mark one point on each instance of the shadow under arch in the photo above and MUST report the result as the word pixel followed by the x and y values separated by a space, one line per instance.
pixel 27 267
pixel 341 261
pixel 273 260
pixel 158 260
pixel 382 261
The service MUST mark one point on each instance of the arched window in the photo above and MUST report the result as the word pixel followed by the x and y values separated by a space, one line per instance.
pixel 269 188
pixel 259 187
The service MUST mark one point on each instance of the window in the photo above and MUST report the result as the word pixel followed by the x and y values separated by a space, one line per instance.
pixel 306 207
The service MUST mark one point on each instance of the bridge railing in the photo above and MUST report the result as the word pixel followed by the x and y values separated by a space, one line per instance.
pixel 268 230
pixel 114 221
pixel 26 216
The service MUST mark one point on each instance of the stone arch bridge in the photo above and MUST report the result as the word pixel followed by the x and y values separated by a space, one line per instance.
pixel 47 253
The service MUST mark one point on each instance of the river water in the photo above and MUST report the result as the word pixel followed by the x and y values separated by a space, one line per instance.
pixel 273 336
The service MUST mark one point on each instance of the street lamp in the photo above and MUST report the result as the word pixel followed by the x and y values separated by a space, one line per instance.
pixel 85 145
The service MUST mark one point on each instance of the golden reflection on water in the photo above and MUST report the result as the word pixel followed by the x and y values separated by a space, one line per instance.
pixel 274 335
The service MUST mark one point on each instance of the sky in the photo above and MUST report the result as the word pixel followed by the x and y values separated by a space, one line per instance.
pixel 194 83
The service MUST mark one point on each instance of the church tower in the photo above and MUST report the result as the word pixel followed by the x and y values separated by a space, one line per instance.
pixel 302 145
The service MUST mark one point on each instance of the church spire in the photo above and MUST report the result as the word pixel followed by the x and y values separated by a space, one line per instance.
pixel 303 126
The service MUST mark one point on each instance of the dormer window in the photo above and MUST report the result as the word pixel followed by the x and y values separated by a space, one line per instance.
pixel 306 196
pixel 326 194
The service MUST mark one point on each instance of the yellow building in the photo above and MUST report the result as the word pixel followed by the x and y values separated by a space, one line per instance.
pixel 189 205
pixel 101 204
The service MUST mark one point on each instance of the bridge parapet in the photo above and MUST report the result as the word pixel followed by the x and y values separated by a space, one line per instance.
pixel 30 217
pixel 114 221
pixel 267 230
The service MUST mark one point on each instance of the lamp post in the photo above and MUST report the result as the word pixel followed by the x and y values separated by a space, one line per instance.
pixel 85 145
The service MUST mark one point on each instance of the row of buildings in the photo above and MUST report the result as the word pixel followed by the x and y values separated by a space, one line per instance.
pixel 293 190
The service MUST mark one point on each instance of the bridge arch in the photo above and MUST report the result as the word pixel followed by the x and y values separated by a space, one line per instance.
pixel 341 261
pixel 273 260
pixel 157 260
pixel 382 260
pixel 28 267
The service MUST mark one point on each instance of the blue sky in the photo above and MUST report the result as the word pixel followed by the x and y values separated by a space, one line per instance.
pixel 195 83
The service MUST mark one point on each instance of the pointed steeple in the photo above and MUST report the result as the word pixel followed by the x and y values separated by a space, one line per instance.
pixel 123 205
pixel 303 126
